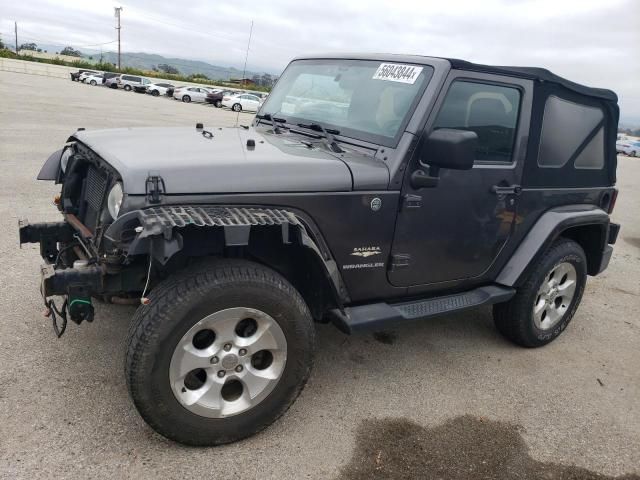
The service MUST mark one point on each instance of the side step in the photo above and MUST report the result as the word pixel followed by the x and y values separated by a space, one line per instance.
pixel 382 315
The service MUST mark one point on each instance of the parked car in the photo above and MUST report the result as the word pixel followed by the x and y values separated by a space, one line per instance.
pixel 191 94
pixel 429 186
pixel 84 75
pixel 156 89
pixel 216 96
pixel 107 75
pixel 170 90
pixel 243 101
pixel 94 79
pixel 76 75
pixel 126 81
pixel 628 147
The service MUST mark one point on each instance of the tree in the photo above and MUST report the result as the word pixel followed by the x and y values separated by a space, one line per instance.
pixel 1 44
pixel 163 67
pixel 28 46
pixel 72 52
pixel 197 75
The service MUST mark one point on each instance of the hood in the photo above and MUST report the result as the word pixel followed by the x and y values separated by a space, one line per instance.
pixel 189 162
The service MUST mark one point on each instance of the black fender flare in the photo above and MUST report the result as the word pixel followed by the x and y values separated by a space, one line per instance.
pixel 155 231
pixel 545 231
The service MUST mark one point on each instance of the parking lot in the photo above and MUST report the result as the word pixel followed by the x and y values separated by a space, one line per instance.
pixel 446 398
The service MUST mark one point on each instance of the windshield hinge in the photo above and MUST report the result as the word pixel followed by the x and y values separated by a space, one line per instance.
pixel 154 188
pixel 412 201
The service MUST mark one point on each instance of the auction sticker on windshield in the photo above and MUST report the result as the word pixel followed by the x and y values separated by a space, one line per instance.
pixel 396 72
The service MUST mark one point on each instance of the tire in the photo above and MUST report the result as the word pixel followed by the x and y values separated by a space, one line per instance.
pixel 218 103
pixel 633 153
pixel 236 107
pixel 178 307
pixel 127 88
pixel 155 93
pixel 516 319
pixel 186 99
pixel 94 83
pixel 113 85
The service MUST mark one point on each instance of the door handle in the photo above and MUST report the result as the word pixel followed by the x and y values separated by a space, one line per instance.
pixel 506 190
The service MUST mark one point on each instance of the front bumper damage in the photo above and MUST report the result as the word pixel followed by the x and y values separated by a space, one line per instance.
pixel 77 285
pixel 120 261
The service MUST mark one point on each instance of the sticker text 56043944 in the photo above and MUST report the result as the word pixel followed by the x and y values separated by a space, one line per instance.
pixel 396 72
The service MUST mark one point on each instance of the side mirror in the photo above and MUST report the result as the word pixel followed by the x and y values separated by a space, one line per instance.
pixel 445 148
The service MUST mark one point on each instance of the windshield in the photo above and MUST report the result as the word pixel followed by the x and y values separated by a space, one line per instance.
pixel 368 100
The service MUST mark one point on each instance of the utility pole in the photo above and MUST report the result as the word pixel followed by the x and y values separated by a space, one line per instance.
pixel 15 24
pixel 117 14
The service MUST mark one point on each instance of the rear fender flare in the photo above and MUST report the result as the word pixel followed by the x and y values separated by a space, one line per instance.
pixel 544 232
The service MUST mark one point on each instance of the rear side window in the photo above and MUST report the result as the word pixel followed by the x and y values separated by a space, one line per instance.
pixel 571 131
pixel 491 111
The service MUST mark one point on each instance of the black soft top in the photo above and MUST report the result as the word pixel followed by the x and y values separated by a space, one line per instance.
pixel 535 73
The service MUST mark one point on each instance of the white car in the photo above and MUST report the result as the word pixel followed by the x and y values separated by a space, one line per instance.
pixel 94 79
pixel 628 147
pixel 156 89
pixel 242 101
pixel 191 94
pixel 84 75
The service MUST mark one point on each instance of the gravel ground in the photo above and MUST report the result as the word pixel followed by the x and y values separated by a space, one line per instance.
pixel 445 385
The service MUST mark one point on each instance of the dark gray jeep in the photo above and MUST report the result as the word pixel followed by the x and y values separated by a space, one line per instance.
pixel 369 191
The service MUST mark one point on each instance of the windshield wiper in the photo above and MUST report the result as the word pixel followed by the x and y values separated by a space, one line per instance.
pixel 328 135
pixel 273 119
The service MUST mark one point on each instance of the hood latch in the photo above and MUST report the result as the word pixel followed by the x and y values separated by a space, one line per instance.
pixel 155 188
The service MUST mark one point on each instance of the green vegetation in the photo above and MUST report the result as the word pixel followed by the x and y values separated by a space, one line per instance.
pixel 109 67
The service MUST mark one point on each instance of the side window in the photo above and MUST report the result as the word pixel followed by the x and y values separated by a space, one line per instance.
pixel 565 128
pixel 491 111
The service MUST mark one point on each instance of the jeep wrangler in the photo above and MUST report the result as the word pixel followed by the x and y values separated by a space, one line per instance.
pixel 369 191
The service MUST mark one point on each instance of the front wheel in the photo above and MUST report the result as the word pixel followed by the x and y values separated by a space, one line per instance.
pixel 218 104
pixel 236 107
pixel 220 353
pixel 186 99
pixel 94 83
pixel 633 153
pixel 155 93
pixel 127 88
pixel 545 304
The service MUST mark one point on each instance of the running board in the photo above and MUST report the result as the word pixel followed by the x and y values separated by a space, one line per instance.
pixel 377 316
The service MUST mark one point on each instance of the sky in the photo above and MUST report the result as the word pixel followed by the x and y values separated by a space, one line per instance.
pixel 595 42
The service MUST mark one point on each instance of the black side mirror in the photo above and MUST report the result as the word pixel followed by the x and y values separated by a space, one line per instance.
pixel 445 148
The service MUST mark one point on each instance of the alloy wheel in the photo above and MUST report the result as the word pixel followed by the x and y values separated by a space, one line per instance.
pixel 228 362
pixel 555 296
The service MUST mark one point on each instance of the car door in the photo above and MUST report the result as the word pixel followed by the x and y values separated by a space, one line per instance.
pixel 253 103
pixel 454 231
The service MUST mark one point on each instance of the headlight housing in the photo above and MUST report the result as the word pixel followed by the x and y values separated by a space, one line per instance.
pixel 64 160
pixel 114 200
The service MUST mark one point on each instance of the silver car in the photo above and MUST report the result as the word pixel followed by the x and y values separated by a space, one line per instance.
pixel 191 94
pixel 127 81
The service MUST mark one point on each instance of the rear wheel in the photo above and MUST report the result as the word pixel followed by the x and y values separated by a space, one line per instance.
pixel 633 153
pixel 545 304
pixel 220 353
pixel 186 98
pixel 155 93
pixel 236 107
pixel 94 83
pixel 127 88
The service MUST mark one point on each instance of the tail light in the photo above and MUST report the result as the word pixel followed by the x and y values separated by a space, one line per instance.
pixel 226 98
